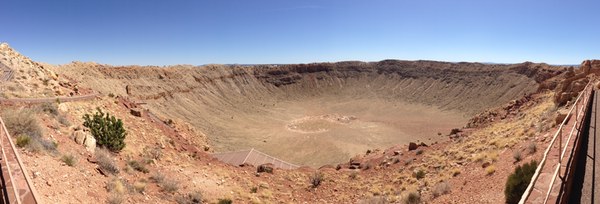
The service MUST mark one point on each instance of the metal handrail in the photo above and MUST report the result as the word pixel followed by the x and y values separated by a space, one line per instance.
pixel 575 107
pixel 13 149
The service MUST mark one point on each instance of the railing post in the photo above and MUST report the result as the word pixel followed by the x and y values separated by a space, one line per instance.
pixel 560 144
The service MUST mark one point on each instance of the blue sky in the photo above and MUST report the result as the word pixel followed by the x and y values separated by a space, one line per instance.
pixel 151 32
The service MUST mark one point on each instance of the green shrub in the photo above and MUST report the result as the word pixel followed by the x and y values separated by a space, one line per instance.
pixel 518 181
pixel 23 140
pixel 107 130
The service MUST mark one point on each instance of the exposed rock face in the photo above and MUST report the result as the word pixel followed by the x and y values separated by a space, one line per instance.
pixel 575 80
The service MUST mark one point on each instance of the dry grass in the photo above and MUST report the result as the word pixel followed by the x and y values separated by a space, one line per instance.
pixel 517 156
pixel 191 198
pixel 441 189
pixel 139 186
pixel 411 197
pixel 105 161
pixel 531 148
pixel 490 170
pixel 68 159
pixel 169 186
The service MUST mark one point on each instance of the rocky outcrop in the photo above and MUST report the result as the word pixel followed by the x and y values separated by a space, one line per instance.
pixel 574 81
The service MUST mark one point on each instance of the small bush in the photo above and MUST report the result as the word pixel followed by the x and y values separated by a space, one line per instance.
pixel 139 186
pixel 68 159
pixel 158 177
pixel 490 170
pixel 264 168
pixel 115 199
pixel 454 131
pixel 153 153
pixel 353 175
pixel 531 148
pixel 107 130
pixel 517 156
pixel 225 201
pixel 191 198
pixel 419 152
pixel 411 197
pixel 105 161
pixel 138 166
pixel 116 186
pixel 517 182
pixel 316 179
pixel 254 189
pixel 419 174
pixel 23 141
pixel 22 122
pixel 62 119
pixel 50 108
pixel 170 186
pixel 441 189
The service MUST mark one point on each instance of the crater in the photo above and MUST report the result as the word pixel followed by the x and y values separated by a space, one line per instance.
pixel 322 113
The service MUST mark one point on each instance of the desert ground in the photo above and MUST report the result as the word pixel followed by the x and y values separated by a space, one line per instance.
pixel 347 123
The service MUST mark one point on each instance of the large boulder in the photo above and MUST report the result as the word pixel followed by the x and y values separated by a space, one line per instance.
pixel 79 136
pixel 84 138
pixel 90 143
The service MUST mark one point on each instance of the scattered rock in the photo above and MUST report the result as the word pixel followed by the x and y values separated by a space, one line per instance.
pixel 136 112
pixel 485 164
pixel 412 146
pixel 268 167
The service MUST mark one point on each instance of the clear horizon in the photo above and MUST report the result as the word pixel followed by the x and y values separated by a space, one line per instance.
pixel 288 32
